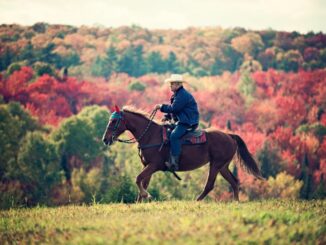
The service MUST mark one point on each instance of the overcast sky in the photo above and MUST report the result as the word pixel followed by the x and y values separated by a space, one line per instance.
pixel 287 15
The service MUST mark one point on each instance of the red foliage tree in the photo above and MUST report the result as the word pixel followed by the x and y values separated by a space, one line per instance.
pixel 14 88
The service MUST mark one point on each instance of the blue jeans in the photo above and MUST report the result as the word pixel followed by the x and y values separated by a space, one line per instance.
pixel 175 138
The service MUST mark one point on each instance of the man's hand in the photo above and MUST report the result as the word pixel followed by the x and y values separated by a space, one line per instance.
pixel 167 118
pixel 158 106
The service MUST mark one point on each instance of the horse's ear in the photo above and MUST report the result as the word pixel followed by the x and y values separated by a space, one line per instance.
pixel 117 109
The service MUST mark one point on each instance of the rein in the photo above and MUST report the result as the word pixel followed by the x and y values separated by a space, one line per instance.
pixel 133 139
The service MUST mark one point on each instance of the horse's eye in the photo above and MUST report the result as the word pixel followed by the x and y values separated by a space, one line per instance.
pixel 111 124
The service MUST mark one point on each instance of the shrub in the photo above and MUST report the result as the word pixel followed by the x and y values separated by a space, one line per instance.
pixel 283 186
pixel 42 68
pixel 11 195
pixel 137 86
pixel 13 67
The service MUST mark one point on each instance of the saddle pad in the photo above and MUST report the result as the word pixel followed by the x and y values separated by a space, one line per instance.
pixel 196 137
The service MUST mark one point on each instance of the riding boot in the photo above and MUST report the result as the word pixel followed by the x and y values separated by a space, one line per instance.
pixel 173 164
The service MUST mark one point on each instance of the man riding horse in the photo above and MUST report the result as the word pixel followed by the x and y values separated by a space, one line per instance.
pixel 183 109
pixel 218 150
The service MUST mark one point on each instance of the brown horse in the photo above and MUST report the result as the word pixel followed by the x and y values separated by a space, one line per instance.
pixel 218 151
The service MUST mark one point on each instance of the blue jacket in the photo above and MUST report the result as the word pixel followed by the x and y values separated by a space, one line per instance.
pixel 183 106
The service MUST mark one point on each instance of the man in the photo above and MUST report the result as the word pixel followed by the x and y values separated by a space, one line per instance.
pixel 184 110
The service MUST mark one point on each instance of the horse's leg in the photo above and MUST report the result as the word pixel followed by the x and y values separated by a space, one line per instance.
pixel 213 171
pixel 143 176
pixel 225 172
pixel 145 185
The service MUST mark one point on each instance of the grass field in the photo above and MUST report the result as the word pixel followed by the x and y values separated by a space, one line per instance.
pixel 174 222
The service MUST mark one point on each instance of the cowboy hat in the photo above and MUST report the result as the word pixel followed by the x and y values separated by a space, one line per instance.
pixel 175 78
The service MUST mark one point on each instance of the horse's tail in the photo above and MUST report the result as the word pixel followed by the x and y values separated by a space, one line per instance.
pixel 245 158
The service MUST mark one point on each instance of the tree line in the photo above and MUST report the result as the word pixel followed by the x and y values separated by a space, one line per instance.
pixel 138 51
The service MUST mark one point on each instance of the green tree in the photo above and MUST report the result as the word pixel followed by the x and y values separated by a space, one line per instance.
pixel 76 143
pixel 47 55
pixel 194 68
pixel 14 124
pixel 268 37
pixel 42 68
pixel 218 67
pixel 107 65
pixel 40 27
pixel 11 194
pixel 247 87
pixel 270 161
pixel 126 62
pixel 79 138
pixel 140 66
pixel 72 59
pixel 111 60
pixel 89 183
pixel 320 191
pixel 306 177
pixel 137 86
pixel 28 54
pixel 38 167
pixel 156 63
pixel 16 66
pixel 228 59
pixel 323 56
pixel 6 59
pixel 98 118
pixel 172 63
pixel 98 67
pixel 132 61
pixel 290 61
pixel 121 189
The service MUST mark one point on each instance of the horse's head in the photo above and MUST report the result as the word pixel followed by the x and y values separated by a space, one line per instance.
pixel 115 127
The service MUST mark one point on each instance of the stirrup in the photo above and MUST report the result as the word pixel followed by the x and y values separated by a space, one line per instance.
pixel 171 167
pixel 173 163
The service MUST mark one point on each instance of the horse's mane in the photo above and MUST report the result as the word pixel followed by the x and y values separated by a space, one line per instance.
pixel 139 112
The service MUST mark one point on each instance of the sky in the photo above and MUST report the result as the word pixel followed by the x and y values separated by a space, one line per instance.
pixel 281 15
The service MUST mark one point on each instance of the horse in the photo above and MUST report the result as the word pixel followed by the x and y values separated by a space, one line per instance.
pixel 218 150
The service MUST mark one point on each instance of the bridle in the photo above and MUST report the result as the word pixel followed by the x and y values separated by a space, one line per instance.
pixel 120 118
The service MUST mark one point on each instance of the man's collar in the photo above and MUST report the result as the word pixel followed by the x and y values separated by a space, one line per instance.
pixel 178 89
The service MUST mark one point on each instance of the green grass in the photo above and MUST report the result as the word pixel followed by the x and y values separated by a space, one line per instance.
pixel 175 222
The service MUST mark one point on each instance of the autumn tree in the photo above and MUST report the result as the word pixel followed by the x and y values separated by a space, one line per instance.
pixel 227 60
pixel 290 61
pixel 249 43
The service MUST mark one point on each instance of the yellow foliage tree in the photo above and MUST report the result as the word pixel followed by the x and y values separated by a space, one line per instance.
pixel 249 43
pixel 283 186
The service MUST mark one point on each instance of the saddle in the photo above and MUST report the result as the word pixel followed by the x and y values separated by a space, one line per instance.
pixel 192 137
